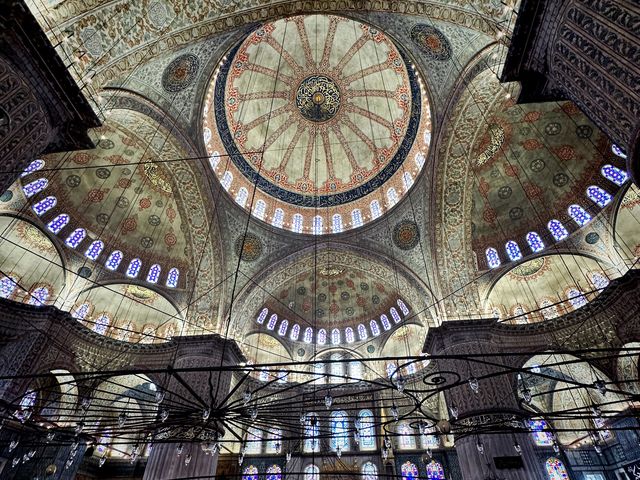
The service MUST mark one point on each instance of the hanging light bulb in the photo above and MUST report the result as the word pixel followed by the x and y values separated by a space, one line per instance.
pixel 102 460
pixel 246 397
pixel 179 449
pixel 205 414
pixel 79 428
pixel 15 461
pixel 68 464
pixel 32 453
pixel 288 457
pixel 480 447
pixel 240 459
pixel 596 411
pixel 429 453
pixel 517 448
pixel 387 442
pixel 556 447
pixel 526 395
pixel 13 445
pixel 474 385
pixel 50 436
pixel 400 383
pixel 454 411
pixel 86 401
pixel 356 437
pixel 122 418
pixel 328 400
pixel 385 453
pixel 601 386
pixel 394 412
pixel 159 396
pixel 164 414
pixel 187 459
pixel 253 412
pixel 339 451
pixel 303 418
pixel 597 448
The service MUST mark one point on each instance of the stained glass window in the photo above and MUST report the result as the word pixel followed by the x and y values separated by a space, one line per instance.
pixel 295 332
pixel 134 268
pixel 101 324
pixel 80 313
pixel 254 440
pixel 603 432
pixel 395 315
pixel 403 307
pixel 375 209
pixel 520 314
pixel 392 197
pixel 58 223
pixel 322 336
pixel 206 135
pixel 540 432
pixel 493 260
pixel 576 298
pixel 356 218
pixel 227 179
pixel 28 399
pixel 94 250
pixel 556 469
pixel 274 472
pixel 599 196
pixel 362 332
pixel 298 222
pixel 282 329
pixel 391 369
pixel 385 322
pixel 369 471
pixel 173 277
pixel 355 371
pixel 339 431
pixel 214 159
pixel 76 237
pixel 250 473
pixel 113 262
pixel 278 218
pixel 170 332
pixel 274 445
pixel 375 328
pixel 7 287
pixel 154 273
pixel 513 251
pixel 39 296
pixel 579 215
pixel 242 196
pixel 618 151
pixel 263 315
pixel 335 336
pixel 124 332
pixel 308 335
pixel 367 431
pixel 406 439
pixel 311 430
pixel 599 281
pixel 264 375
pixel 348 335
pixel 535 242
pixel 311 472
pixel 409 471
pixel 317 225
pixel 407 180
pixel 337 368
pixel 33 167
pixel 614 174
pixel 273 319
pixel 260 209
pixel 44 205
pixel 420 159
pixel 435 471
pixel 30 189
pixel 148 335
pixel 548 309
pixel 557 230
pixel 337 223
pixel 428 440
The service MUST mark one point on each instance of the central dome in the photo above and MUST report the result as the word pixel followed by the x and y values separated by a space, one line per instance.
pixel 316 114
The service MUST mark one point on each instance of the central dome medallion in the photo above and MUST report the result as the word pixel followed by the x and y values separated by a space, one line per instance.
pixel 310 120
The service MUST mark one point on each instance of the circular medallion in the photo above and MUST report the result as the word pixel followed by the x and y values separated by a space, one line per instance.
pixel 584 131
pixel 6 196
pixel 371 349
pixel 504 192
pixel 592 238
pixel 72 181
pixel 248 248
pixel 406 235
pixel 103 173
pixel 560 179
pixel 84 272
pixel 431 41
pixel 516 213
pixel 318 98
pixel 537 165
pixel 180 73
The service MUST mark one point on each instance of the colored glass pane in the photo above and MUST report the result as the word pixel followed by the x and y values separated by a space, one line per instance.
pixel 282 329
pixel 579 215
pixel 513 251
pixel 94 250
pixel 263 315
pixel 154 274
pixel 367 430
pixel 250 473
pixel 337 223
pixel 273 319
pixel 80 313
pixel 76 237
pixel 308 335
pixel 556 469
pixel 356 218
pixel 33 167
pixel 295 332
pixel 557 230
pixel 348 335
pixel 385 322
pixel 369 471
pixel 274 472
pixel 44 205
pixel 362 332
pixel 409 471
pixel 540 432
pixel 375 328
pixel 58 223
pixel 395 315
pixel 173 277
pixel 403 307
pixel 32 188
pixel 599 196
pixel 101 324
pixel 435 471
pixel 335 337
pixel 113 262
pixel 493 260
pixel 614 174
pixel 535 242
pixel 375 209
pixel 339 431
pixel 134 268
pixel 39 296
pixel 322 336
pixel 7 287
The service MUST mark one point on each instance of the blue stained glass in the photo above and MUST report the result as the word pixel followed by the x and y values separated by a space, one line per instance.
pixel 39 296
pixel 311 430
pixel 94 250
pixel 435 471
pixel 614 174
pixel 556 469
pixel 376 211
pixel 513 251
pixel 308 335
pixel 33 167
pixel 369 471
pixel 599 281
pixel 311 472
pixel 173 277
pixel 322 336
pixel 101 324
pixel 58 223
pixel 403 308
pixel 576 298
pixel 44 205
pixel 134 268
pixel 154 273
pixel 407 440
pixel 356 218
pixel 535 242
pixel 30 189
pixel 250 473
pixel 618 151
pixel 493 260
pixel 263 315
pixel 375 329
pixel 278 218
pixel 274 472
pixel 557 230
pixel 395 315
pixel 28 400
pixel 362 332
pixel 385 322
pixel 76 237
pixel 335 337
pixel 81 312
pixel 540 432
pixel 367 430
pixel 409 471
pixel 298 222
pixel 579 215
pixel 348 335
pixel 113 262
pixel 295 332
pixel 273 319
pixel 274 445
pixel 599 196
pixel 337 223
pixel 317 225
pixel 7 287
pixel 282 330
pixel 339 431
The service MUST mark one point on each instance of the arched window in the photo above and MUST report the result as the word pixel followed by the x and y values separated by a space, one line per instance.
pixel 81 311
pixel 493 260
pixel 260 209
pixel 227 179
pixel 576 298
pixel 214 159
pixel 556 469
pixel 548 309
pixel 406 440
pixel 274 445
pixel 337 223
pixel 278 218
pixel 263 315
pixel 282 329
pixel 101 324
pixel 173 277
pixel 76 237
pixel 369 471
pixel 403 307
pixel 557 230
pixel 435 471
pixel 39 296
pixel 535 242
pixel 395 315
pixel 124 332
pixel 28 400
pixel 407 180
pixel 318 370
pixel 599 196
pixel 170 332
pixel 392 197
pixel 540 432
pixel 254 440
pixel 206 135
pixel 339 431
pixel 322 337
pixel 317 225
pixel 420 159
pixel 44 205
pixel 520 314
pixel 429 441
pixel 614 174
pixel 308 335
pixel 242 196
pixel 311 472
pixel 375 329
pixel 579 215
pixel 33 167
pixel 335 336
pixel 356 217
pixel 113 262
pixel 348 335
pixel 273 319
pixel 385 322
pixel 362 332
pixel 337 368
pixel 366 431
pixel 295 332
pixel 311 430
pixel 297 224
pixel 391 369
pixel 513 251
pixel 58 223
pixel 376 211
pixel 409 471
pixel 134 268
pixel 7 287
pixel 274 472
pixel 264 375
pixel 250 473
pixel 94 250
pixel 30 189
pixel 618 151
pixel 355 371
pixel 599 281
pixel 148 335
pixel 154 273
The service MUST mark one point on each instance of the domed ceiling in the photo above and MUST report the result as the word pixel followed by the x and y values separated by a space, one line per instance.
pixel 317 114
